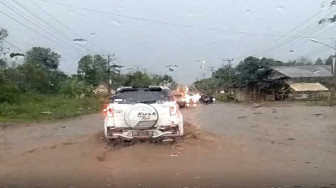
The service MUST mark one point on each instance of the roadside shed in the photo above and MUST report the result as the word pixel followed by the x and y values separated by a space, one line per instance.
pixel 308 91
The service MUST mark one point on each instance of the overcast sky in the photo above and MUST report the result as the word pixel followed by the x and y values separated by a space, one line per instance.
pixel 152 34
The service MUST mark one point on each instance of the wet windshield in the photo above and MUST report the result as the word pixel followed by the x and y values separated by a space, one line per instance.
pixel 167 93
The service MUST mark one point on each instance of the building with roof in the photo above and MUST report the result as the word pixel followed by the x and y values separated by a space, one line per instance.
pixel 302 82
pixel 290 83
pixel 308 91
pixel 301 73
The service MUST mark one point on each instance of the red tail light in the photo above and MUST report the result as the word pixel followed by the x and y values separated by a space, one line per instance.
pixel 173 109
pixel 108 110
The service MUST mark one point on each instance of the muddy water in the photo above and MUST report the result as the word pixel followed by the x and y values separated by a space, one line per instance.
pixel 227 145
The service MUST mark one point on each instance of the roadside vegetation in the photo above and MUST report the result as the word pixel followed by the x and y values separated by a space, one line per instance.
pixel 33 88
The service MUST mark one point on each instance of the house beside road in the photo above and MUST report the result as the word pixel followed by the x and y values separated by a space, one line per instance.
pixel 289 83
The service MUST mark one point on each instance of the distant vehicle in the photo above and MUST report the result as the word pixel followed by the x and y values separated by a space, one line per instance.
pixel 143 113
pixel 192 98
pixel 207 99
pixel 180 95
pixel 180 100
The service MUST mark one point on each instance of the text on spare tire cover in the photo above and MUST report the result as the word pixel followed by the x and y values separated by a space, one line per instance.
pixel 146 116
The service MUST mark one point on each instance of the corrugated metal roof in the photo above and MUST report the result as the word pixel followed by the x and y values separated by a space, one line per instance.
pixel 308 87
pixel 304 71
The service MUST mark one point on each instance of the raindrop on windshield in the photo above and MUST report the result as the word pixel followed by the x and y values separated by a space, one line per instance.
pixel 280 8
pixel 80 41
pixel 324 4
pixel 331 24
pixel 117 23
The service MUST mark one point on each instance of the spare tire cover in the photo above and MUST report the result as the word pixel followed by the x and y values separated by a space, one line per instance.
pixel 141 116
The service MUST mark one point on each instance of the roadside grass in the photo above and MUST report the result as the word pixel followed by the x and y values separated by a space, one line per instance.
pixel 37 108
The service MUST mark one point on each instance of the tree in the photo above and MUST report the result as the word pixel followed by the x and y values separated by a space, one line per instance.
pixel 271 62
pixel 330 19
pixel 93 69
pixel 304 61
pixel 73 87
pixel 138 79
pixel 252 70
pixel 318 62
pixel 207 86
pixel 3 35
pixel 44 57
pixel 3 64
pixel 223 75
pixel 329 60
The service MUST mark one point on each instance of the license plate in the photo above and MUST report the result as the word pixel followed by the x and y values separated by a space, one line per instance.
pixel 142 133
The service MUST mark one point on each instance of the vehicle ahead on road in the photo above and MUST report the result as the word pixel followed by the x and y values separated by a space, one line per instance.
pixel 192 98
pixel 204 99
pixel 180 100
pixel 143 113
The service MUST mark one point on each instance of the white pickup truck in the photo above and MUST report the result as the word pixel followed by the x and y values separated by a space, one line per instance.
pixel 143 113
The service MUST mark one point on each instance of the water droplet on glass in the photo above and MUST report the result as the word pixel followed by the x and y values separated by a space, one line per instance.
pixel 323 4
pixel 280 8
pixel 117 23
pixel 190 14
pixel 80 41
pixel 331 24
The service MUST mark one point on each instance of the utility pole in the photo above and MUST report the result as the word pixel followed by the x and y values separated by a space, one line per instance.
pixel 212 71
pixel 332 94
pixel 109 74
pixel 229 60
pixel 203 75
pixel 109 85
pixel 333 64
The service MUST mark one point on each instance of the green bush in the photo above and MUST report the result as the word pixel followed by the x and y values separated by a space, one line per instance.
pixel 9 93
pixel 32 108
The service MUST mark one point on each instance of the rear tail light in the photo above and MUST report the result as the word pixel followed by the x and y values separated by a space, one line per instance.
pixel 108 110
pixel 173 109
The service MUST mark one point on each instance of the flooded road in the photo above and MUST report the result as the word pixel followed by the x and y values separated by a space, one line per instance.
pixel 226 145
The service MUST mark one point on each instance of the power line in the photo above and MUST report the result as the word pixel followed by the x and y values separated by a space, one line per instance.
pixel 38 18
pixel 169 23
pixel 272 45
pixel 12 44
pixel 298 26
pixel 319 50
pixel 36 25
pixel 17 21
pixel 61 23
pixel 305 31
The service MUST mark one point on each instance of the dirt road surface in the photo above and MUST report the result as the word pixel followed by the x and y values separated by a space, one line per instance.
pixel 226 145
